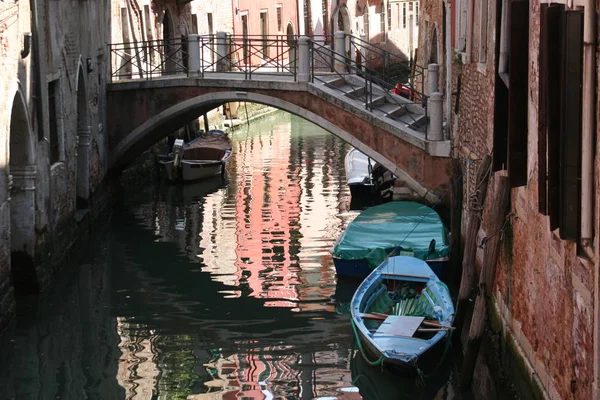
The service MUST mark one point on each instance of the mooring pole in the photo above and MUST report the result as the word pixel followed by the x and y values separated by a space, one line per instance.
pixel 476 203
pixel 498 214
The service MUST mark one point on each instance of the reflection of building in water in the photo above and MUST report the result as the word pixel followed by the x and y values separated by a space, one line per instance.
pixel 267 215
pixel 138 371
pixel 264 374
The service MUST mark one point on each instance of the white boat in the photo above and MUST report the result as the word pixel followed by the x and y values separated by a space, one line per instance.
pixel 402 315
pixel 200 158
pixel 365 176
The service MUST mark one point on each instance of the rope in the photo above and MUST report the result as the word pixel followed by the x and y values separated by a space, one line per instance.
pixel 360 348
pixel 473 202
pixel 432 207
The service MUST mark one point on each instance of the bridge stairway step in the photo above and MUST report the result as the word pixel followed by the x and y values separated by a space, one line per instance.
pixel 380 103
pixel 391 110
pixel 353 91
pixel 375 101
pixel 334 81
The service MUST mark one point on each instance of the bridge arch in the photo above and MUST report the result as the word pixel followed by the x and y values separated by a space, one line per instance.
pixel 159 125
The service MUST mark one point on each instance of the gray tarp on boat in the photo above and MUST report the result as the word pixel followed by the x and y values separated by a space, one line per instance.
pixel 403 225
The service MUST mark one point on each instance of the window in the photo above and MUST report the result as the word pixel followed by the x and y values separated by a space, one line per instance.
pixel 279 18
pixel 195 23
pixel 245 40
pixel 53 106
pixel 404 15
pixel 483 24
pixel 209 20
pixel 366 24
pixel 417 14
pixel 307 18
pixel 410 6
pixel 382 22
pixel 461 25
pixel 389 15
pixel 325 19
pixel 263 33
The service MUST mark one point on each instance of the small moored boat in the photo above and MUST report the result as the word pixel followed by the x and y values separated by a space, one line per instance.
pixel 200 158
pixel 402 314
pixel 366 177
pixel 403 227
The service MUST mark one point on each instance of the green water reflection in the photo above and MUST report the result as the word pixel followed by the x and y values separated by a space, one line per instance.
pixel 215 290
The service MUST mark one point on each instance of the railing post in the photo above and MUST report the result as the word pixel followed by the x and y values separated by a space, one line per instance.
pixel 303 60
pixel 435 108
pixel 221 51
pixel 339 46
pixel 432 75
pixel 193 55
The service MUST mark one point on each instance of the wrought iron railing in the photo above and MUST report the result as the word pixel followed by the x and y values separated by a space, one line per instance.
pixel 323 60
pixel 273 55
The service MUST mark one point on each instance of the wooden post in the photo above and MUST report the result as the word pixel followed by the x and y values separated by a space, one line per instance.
pixel 498 214
pixel 206 129
pixel 456 201
pixel 476 203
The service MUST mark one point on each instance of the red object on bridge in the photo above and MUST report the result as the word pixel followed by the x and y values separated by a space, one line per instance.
pixel 402 90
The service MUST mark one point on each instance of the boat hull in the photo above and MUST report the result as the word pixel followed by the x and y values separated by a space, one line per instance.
pixel 403 337
pixel 191 171
pixel 360 269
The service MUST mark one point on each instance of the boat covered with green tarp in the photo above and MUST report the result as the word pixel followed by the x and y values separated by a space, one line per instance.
pixel 398 227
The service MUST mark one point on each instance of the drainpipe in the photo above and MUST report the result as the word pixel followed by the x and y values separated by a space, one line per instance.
pixel 587 131
pixel 37 69
pixel 448 35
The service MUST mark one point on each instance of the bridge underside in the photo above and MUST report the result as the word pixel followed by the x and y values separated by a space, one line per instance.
pixel 142 114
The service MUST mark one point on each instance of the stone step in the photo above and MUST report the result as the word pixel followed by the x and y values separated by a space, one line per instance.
pixel 391 110
pixel 352 91
pixel 375 101
pixel 333 80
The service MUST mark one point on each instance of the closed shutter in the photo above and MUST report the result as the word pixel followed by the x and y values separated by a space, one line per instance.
pixel 553 110
pixel 518 92
pixel 549 112
pixel 500 105
pixel 570 128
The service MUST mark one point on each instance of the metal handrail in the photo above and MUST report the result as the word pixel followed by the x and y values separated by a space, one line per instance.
pixel 388 60
pixel 368 74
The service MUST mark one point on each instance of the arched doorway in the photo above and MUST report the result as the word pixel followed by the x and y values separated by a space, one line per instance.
pixel 23 170
pixel 342 23
pixel 292 43
pixel 83 145
pixel 169 46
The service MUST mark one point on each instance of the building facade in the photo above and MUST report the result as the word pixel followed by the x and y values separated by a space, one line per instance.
pixel 520 83
pixel 53 157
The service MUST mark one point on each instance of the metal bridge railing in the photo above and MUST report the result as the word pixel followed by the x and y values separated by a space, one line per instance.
pixel 197 55
pixel 323 65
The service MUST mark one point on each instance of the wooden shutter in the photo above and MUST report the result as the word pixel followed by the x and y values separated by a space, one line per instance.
pixel 570 129
pixel 518 92
pixel 552 46
pixel 500 105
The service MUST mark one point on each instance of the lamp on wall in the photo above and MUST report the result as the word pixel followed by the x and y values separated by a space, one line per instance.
pixel 90 66
pixel 26 44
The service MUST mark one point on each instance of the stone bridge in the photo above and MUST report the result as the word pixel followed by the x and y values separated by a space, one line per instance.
pixel 143 111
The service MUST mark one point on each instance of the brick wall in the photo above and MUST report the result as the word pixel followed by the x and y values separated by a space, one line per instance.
pixel 544 291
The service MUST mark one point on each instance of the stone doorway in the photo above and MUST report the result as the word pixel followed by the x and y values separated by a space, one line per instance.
pixel 22 180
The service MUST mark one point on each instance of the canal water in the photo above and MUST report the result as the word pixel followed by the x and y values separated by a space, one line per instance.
pixel 216 290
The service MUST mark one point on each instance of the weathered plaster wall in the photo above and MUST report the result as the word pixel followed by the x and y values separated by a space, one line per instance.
pixel 65 36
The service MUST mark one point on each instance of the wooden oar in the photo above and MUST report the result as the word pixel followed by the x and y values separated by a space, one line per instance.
pixel 380 317
pixel 437 325
pixel 432 329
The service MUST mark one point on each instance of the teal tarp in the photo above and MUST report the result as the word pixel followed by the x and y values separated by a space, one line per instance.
pixel 404 225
